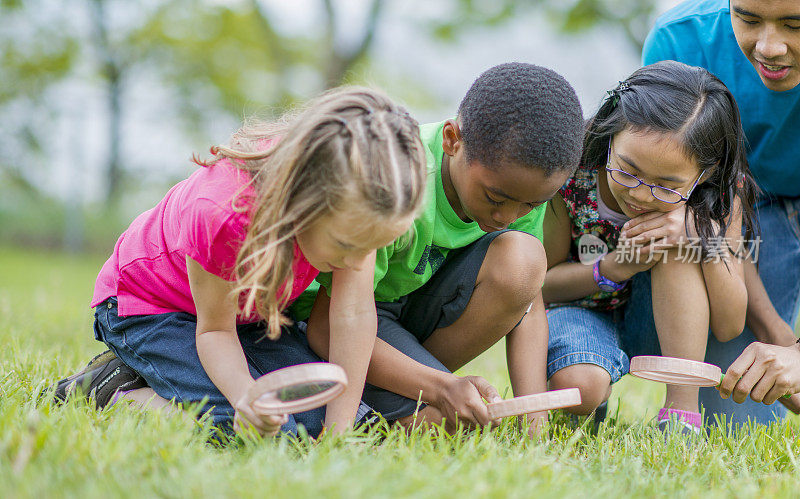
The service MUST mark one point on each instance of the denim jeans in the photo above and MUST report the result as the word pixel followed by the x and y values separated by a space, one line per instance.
pixel 162 349
pixel 604 338
pixel 779 268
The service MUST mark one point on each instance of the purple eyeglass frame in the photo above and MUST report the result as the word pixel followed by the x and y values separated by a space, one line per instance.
pixel 651 186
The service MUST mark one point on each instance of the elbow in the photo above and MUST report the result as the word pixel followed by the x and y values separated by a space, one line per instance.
pixel 729 328
pixel 723 335
pixel 729 320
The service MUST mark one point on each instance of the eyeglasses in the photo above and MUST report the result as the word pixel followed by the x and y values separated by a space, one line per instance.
pixel 663 194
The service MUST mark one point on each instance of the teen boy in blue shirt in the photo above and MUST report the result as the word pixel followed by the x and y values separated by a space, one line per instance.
pixel 754 48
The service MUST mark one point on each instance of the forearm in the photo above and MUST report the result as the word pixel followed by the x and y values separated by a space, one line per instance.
pixel 762 318
pixel 392 370
pixel 727 298
pixel 571 281
pixel 351 344
pixel 526 352
pixel 567 282
pixel 389 368
pixel 223 360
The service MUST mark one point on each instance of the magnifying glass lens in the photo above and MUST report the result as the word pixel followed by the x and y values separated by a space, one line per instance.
pixel 303 390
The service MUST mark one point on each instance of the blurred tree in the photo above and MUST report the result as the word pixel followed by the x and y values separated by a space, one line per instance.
pixel 213 59
pixel 111 65
pixel 234 53
pixel 571 16
pixel 43 49
pixel 35 55
pixel 219 57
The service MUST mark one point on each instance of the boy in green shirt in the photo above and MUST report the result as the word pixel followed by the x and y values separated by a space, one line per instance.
pixel 471 269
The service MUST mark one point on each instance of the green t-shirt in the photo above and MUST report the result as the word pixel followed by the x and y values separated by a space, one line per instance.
pixel 408 263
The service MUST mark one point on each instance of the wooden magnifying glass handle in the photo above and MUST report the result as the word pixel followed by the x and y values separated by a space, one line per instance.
pixel 556 399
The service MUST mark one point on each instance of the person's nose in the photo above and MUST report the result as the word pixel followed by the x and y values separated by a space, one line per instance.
pixel 770 44
pixel 641 193
pixel 503 216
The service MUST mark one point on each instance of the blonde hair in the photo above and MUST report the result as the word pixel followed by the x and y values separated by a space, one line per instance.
pixel 349 143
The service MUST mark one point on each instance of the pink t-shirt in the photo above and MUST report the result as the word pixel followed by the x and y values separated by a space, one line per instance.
pixel 147 270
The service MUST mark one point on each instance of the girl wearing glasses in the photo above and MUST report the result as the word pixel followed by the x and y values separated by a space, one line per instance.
pixel 644 243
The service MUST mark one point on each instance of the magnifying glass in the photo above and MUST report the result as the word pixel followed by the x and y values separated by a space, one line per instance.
pixel 556 399
pixel 297 388
pixel 673 371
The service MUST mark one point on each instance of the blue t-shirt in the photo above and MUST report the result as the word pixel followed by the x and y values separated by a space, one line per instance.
pixel 699 33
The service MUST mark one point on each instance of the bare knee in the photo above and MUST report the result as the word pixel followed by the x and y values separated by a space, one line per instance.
pixel 592 380
pixel 676 259
pixel 515 266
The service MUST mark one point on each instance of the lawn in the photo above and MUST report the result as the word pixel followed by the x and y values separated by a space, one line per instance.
pixel 74 451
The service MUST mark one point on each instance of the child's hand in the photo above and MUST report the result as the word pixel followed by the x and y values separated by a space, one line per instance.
pixel 664 230
pixel 462 399
pixel 246 419
pixel 626 261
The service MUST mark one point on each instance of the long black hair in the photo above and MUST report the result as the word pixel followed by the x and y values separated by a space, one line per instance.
pixel 689 101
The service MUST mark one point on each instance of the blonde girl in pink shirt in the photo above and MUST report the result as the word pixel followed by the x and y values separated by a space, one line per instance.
pixel 196 283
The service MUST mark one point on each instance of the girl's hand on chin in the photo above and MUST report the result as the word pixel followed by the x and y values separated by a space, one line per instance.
pixel 667 229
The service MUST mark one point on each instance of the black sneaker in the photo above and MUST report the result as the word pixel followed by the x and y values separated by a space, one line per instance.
pixel 100 380
pixel 600 413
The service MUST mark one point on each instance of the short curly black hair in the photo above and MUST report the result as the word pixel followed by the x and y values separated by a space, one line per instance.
pixel 522 113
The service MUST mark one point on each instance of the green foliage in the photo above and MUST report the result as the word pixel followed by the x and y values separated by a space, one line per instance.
pixel 75 451
pixel 34 54
pixel 218 59
pixel 571 17
pixel 471 14
pixel 634 18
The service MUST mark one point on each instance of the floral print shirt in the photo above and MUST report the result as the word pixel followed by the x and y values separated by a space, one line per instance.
pixel 580 195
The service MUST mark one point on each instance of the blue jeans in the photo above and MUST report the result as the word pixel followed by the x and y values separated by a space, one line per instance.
pixel 779 268
pixel 609 339
pixel 162 349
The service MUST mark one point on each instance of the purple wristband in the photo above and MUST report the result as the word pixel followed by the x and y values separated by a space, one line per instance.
pixel 604 283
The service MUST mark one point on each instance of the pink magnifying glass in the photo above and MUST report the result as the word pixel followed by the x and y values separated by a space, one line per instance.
pixel 673 371
pixel 556 399
pixel 297 388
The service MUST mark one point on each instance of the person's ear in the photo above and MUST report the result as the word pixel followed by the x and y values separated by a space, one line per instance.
pixel 451 138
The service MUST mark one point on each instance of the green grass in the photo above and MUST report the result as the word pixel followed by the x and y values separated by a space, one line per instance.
pixel 74 451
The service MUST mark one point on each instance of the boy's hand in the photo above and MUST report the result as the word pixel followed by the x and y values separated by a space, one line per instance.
pixel 245 418
pixel 462 399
